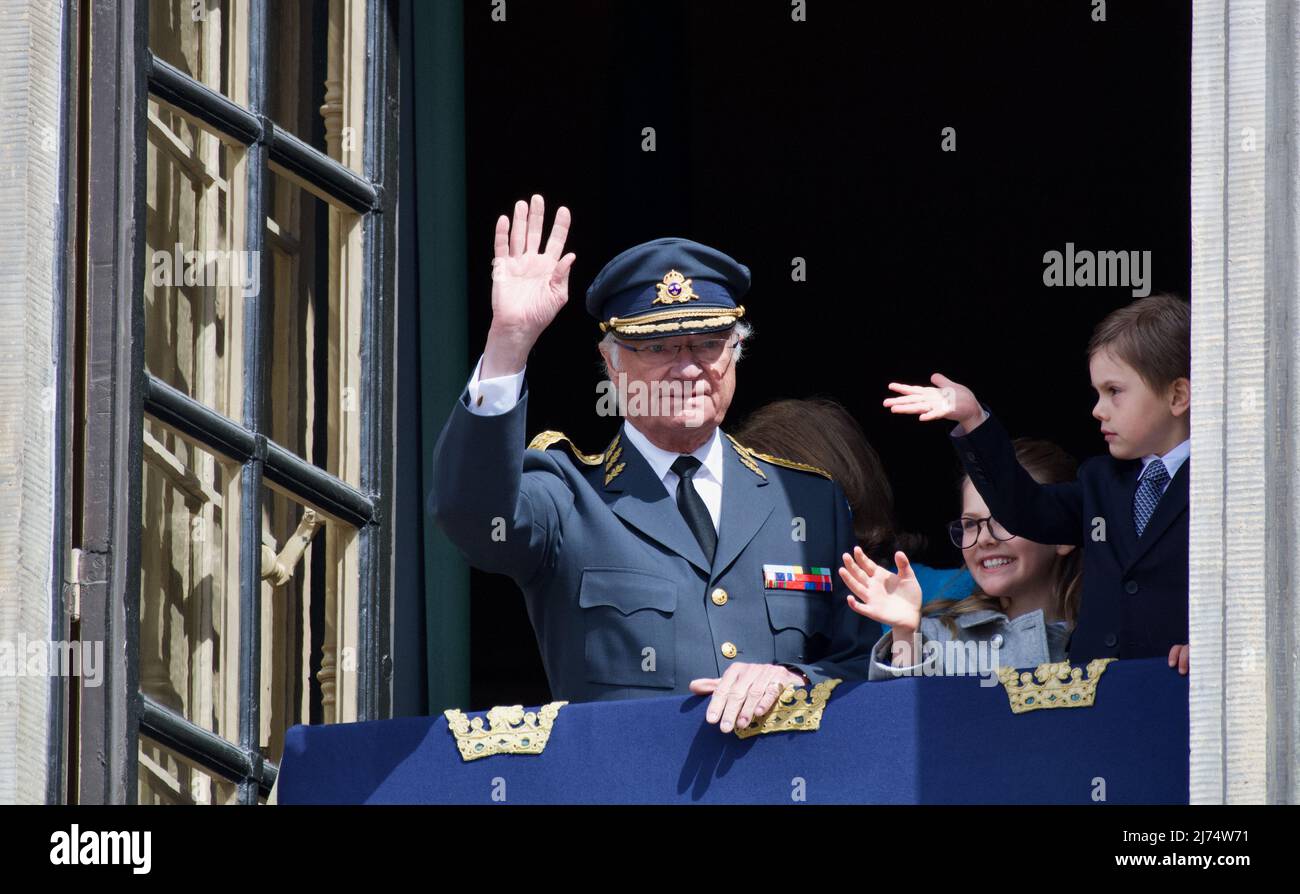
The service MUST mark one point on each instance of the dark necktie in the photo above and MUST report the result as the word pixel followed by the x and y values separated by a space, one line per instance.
pixel 692 505
pixel 1154 478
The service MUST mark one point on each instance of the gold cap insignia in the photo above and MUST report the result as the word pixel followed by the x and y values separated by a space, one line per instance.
pixel 675 289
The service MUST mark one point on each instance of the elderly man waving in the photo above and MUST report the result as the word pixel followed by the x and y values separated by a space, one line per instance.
pixel 676 560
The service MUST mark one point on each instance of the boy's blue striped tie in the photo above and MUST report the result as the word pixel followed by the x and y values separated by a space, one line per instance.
pixel 1154 478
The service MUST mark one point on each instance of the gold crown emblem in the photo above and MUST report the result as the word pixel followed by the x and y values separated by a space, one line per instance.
pixel 794 711
pixel 510 730
pixel 675 289
pixel 1054 685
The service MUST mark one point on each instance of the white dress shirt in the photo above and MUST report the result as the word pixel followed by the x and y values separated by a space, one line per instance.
pixel 492 397
pixel 1173 461
pixel 708 478
pixel 497 395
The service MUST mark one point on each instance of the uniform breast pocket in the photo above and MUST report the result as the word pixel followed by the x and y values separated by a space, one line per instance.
pixel 800 624
pixel 630 633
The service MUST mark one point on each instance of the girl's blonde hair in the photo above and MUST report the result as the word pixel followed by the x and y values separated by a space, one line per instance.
pixel 1046 463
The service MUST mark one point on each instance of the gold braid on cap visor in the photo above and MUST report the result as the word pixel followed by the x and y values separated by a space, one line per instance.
pixel 674 320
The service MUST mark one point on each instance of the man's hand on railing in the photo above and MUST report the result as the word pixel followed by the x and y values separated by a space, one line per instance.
pixel 744 692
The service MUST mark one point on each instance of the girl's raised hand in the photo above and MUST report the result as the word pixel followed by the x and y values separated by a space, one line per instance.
pixel 945 400
pixel 893 599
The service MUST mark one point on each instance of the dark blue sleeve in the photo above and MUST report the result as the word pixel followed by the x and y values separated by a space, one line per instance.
pixel 501 518
pixel 1044 513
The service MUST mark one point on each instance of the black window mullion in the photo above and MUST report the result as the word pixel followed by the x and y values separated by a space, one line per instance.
pixel 200 102
pixel 318 172
pixel 204 747
pixel 236 442
pixel 109 284
pixel 197 421
pixel 375 667
pixel 314 485
pixel 256 314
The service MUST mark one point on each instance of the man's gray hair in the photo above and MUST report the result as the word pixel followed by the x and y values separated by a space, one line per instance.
pixel 742 328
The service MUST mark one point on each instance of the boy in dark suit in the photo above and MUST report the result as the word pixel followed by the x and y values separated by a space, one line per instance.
pixel 1127 509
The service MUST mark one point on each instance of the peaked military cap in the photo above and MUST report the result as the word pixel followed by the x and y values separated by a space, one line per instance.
pixel 669 286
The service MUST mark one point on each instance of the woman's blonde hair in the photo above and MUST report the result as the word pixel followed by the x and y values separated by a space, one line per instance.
pixel 1046 463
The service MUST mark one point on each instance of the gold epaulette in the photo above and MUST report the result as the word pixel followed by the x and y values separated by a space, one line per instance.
pixel 548 439
pixel 790 464
pixel 776 460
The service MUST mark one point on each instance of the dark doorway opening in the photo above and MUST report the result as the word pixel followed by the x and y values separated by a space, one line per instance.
pixel 822 140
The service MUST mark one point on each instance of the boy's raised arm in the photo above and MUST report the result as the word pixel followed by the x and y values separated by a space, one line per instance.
pixel 1044 513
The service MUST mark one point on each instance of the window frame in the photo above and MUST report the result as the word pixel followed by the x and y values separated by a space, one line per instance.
pixel 120 71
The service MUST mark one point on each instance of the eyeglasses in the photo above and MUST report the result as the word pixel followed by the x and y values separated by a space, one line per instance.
pixel 965 532
pixel 706 352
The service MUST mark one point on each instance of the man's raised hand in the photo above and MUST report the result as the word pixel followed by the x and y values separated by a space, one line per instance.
pixel 529 284
pixel 945 400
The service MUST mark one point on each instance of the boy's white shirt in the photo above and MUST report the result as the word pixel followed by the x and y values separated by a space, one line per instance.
pixel 1173 461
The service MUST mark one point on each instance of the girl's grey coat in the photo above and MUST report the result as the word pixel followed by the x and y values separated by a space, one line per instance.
pixel 984 641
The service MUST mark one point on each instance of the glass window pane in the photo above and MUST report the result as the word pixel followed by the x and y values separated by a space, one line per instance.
pixel 166 777
pixel 199 38
pixel 316 76
pixel 195 269
pixel 308 582
pixel 189 562
pixel 314 363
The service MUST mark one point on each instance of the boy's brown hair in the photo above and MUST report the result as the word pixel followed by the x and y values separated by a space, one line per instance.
pixel 1153 335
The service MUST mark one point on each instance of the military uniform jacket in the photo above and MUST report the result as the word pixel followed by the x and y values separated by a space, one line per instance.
pixel 617 588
